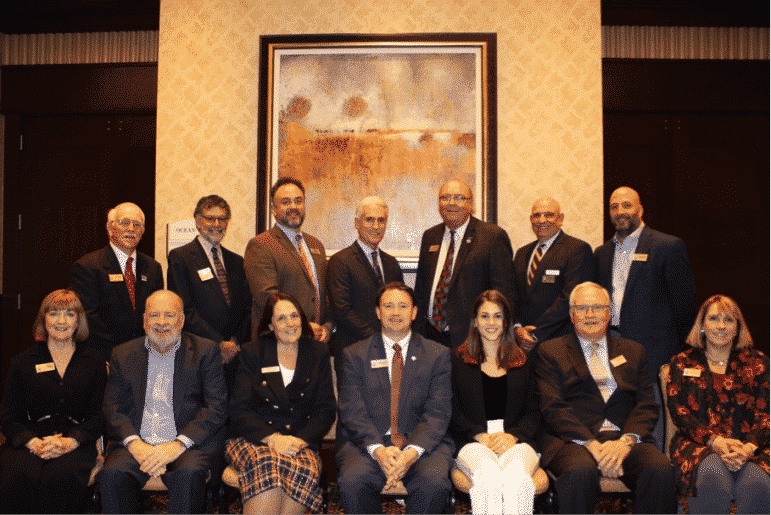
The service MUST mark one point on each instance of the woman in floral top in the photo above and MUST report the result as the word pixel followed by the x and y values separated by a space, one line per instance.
pixel 718 398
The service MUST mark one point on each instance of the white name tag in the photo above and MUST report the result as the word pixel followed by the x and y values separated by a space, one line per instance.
pixel 115 278
pixel 639 257
pixel 618 361
pixel 205 274
pixel 316 251
pixel 45 367
pixel 551 272
pixel 495 426
pixel 433 248
pixel 379 363
pixel 270 370
pixel 691 372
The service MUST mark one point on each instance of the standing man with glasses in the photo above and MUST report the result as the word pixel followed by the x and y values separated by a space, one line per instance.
pixel 459 259
pixel 545 272
pixel 598 411
pixel 210 280
pixel 356 274
pixel 286 259
pixel 653 293
pixel 114 283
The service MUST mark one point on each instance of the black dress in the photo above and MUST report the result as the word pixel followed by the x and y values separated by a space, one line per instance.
pixel 38 404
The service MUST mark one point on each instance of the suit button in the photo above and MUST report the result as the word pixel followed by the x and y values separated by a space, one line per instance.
pixel 275 406
pixel 267 400
pixel 264 383
pixel 288 426
pixel 309 416
pixel 302 394
pixel 308 380
pixel 291 410
pixel 270 422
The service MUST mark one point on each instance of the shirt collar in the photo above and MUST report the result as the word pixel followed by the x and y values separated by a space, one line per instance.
pixel 460 231
pixel 366 248
pixel 403 343
pixel 206 244
pixel 288 232
pixel 122 256
pixel 632 237
pixel 548 242
pixel 171 352
pixel 588 346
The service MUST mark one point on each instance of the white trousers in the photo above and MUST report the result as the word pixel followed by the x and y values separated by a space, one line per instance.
pixel 501 483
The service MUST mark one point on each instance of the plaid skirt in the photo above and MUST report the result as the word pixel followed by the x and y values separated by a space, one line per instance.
pixel 261 469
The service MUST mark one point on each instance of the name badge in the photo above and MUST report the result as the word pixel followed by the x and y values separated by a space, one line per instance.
pixel 551 272
pixel 691 372
pixel 639 257
pixel 316 251
pixel 433 248
pixel 468 240
pixel 379 363
pixel 618 361
pixel 270 370
pixel 45 367
pixel 549 279
pixel 601 382
pixel 115 278
pixel 205 274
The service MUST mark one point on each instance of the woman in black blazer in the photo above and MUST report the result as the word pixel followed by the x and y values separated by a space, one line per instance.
pixel 282 405
pixel 52 414
pixel 494 411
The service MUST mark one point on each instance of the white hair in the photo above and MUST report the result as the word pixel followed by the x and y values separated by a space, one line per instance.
pixel 584 286
pixel 370 201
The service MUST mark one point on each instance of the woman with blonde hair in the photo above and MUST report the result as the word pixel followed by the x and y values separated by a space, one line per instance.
pixel 718 396
pixel 51 414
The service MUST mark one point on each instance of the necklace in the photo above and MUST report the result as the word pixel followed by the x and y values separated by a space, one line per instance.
pixel 716 363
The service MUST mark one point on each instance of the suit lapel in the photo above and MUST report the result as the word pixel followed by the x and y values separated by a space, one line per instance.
pixel 412 365
pixel 184 353
pixel 465 248
pixel 112 267
pixel 274 380
pixel 140 370
pixel 643 247
pixel 364 262
pixel 290 249
pixel 201 261
pixel 528 253
pixel 382 383
pixel 576 357
pixel 435 240
pixel 550 257
pixel 614 351
pixel 303 366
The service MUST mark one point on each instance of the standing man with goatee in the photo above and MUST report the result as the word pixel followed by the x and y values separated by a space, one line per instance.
pixel 288 260
pixel 113 283
pixel 653 293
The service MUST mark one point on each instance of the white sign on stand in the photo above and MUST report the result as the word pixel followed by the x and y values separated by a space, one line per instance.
pixel 179 233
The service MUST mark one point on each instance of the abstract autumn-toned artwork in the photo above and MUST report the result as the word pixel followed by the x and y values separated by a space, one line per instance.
pixel 387 117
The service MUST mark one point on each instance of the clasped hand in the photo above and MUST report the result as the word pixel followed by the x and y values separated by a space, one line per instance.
pixel 733 452
pixel 610 455
pixel 497 442
pixel 395 463
pixel 153 459
pixel 286 444
pixel 52 446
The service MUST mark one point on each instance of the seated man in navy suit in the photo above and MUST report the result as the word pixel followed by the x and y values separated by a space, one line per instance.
pixel 165 405
pixel 598 412
pixel 395 406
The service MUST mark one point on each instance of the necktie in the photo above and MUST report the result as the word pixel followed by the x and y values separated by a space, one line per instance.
pixel 220 270
pixel 440 296
pixel 130 280
pixel 598 372
pixel 309 271
pixel 378 273
pixel 397 367
pixel 534 264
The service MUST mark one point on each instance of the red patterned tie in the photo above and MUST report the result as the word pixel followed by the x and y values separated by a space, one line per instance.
pixel 397 367
pixel 130 280
pixel 223 279
pixel 309 271
pixel 440 295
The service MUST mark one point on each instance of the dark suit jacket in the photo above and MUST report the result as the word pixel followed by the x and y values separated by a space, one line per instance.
pixel 545 304
pixel 353 288
pixel 523 416
pixel 261 405
pixel 484 262
pixel 571 403
pixel 207 313
pixel 199 399
pixel 660 300
pixel 424 400
pixel 111 319
pixel 272 264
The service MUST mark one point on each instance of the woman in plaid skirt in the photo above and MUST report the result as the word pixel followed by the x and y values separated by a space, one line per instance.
pixel 282 406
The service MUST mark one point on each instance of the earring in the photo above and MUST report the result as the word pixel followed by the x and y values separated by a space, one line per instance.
pixel 702 332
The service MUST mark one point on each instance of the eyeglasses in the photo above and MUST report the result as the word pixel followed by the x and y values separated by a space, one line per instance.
pixel 126 223
pixel 583 309
pixel 537 216
pixel 220 219
pixel 457 198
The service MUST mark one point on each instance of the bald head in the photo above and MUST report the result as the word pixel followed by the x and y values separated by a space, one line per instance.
pixel 163 319
pixel 626 211
pixel 546 218
pixel 455 202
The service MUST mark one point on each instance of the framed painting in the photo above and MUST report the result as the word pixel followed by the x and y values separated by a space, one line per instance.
pixel 353 115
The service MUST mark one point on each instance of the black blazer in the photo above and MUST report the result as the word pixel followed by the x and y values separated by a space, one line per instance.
pixel 261 405
pixel 484 262
pixel 207 313
pixel 353 288
pixel 199 398
pixel 660 299
pixel 545 304
pixel 522 418
pixel 70 405
pixel 111 319
pixel 571 403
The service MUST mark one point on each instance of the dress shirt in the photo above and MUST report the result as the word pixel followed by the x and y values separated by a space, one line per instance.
pixel 459 232
pixel 305 250
pixel 158 425
pixel 123 258
pixel 207 246
pixel 622 262
pixel 388 343
pixel 368 252
pixel 546 245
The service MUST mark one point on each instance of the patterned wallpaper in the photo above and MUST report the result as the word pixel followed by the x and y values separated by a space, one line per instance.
pixel 549 99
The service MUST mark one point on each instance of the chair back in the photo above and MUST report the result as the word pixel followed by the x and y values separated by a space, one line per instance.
pixel 669 426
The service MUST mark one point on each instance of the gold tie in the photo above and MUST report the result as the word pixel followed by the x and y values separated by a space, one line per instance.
pixel 309 271
pixel 397 367
pixel 598 372
pixel 534 264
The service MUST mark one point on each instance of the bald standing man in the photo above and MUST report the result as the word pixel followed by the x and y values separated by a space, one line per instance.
pixel 545 272
pixel 114 283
